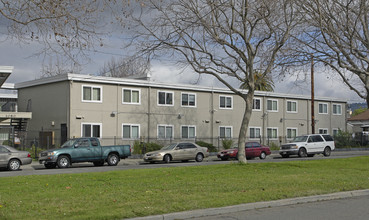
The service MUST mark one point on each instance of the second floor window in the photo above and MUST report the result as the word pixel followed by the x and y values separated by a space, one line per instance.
pixel 91 93
pixel 256 104
pixel 165 98
pixel 291 106
pixel 225 102
pixel 189 99
pixel 323 108
pixel 272 105
pixel 337 109
pixel 131 96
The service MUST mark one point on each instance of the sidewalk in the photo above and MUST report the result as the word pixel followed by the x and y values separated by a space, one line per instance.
pixel 252 206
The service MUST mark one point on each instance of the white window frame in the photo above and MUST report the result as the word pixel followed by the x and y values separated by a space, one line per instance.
pixel 290 138
pixel 226 97
pixel 325 130
pixel 130 131
pixel 92 124
pixel 226 127
pixel 254 136
pixel 334 106
pixel 272 100
pixel 272 138
pixel 132 90
pixel 166 92
pixel 324 104
pixel 92 87
pixel 291 101
pixel 253 104
pixel 165 130
pixel 188 132
pixel 335 131
pixel 188 95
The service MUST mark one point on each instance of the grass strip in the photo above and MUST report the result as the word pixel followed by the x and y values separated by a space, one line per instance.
pixel 143 192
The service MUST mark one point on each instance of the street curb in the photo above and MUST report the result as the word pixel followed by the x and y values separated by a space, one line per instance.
pixel 257 205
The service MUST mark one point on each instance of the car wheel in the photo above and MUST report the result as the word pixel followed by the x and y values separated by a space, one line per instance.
pixel 262 155
pixel 167 158
pixel 14 164
pixel 302 152
pixel 63 162
pixel 327 151
pixel 50 166
pixel 113 159
pixel 98 163
pixel 199 157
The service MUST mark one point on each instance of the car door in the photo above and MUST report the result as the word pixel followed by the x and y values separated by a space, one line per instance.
pixel 319 143
pixel 257 149
pixel 82 150
pixel 4 156
pixel 249 150
pixel 179 152
pixel 310 144
pixel 191 151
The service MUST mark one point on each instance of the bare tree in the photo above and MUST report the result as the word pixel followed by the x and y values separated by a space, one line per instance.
pixel 337 35
pixel 125 67
pixel 221 38
pixel 58 66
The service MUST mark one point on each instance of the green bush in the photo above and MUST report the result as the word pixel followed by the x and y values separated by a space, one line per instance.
pixel 227 143
pixel 141 148
pixel 210 147
pixel 273 146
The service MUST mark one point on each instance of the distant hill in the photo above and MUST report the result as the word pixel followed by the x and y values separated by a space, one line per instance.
pixel 354 106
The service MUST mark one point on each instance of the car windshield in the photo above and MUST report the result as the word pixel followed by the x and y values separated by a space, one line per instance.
pixel 69 143
pixel 169 147
pixel 300 139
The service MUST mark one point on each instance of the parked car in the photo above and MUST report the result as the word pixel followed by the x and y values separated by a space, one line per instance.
pixel 178 152
pixel 84 150
pixel 12 158
pixel 308 145
pixel 252 150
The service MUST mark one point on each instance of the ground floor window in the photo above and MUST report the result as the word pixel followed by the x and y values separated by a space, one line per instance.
pixel 255 132
pixel 91 130
pixel 225 132
pixel 131 131
pixel 323 131
pixel 272 133
pixel 188 131
pixel 165 131
pixel 291 133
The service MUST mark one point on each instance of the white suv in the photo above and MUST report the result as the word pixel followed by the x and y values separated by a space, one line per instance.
pixel 308 145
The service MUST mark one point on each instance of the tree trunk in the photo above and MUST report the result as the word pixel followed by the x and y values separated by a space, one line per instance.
pixel 245 124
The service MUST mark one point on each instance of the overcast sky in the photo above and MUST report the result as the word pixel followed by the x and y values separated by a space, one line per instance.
pixel 27 66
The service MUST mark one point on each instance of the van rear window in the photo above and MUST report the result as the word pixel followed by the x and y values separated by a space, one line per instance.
pixel 328 137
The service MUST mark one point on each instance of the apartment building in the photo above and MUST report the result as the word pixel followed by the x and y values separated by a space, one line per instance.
pixel 121 110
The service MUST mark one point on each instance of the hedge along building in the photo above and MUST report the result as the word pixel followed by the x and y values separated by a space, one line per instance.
pixel 120 110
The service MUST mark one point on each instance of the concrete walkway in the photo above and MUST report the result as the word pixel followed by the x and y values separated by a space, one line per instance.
pixel 252 206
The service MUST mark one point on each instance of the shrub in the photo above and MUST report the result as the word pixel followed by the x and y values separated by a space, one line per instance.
pixel 227 143
pixel 273 146
pixel 210 147
pixel 141 148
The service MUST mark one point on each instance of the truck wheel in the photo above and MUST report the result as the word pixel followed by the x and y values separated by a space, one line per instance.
pixel 14 164
pixel 50 166
pixel 327 151
pixel 302 152
pixel 263 155
pixel 199 157
pixel 167 158
pixel 63 161
pixel 113 159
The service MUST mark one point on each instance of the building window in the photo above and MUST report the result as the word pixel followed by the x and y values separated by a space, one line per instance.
pixel 165 98
pixel 189 99
pixel 131 96
pixel 272 105
pixel 291 133
pixel 256 104
pixel 91 130
pixel 255 132
pixel 131 131
pixel 292 106
pixel 323 108
pixel 323 131
pixel 91 93
pixel 337 109
pixel 335 132
pixel 225 132
pixel 188 132
pixel 165 131
pixel 272 133
pixel 225 102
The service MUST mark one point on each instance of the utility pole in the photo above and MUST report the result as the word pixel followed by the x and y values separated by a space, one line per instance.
pixel 312 97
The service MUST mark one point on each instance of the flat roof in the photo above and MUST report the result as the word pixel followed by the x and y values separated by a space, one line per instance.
pixel 147 83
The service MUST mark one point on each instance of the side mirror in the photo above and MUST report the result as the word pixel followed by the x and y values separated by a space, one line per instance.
pixel 76 146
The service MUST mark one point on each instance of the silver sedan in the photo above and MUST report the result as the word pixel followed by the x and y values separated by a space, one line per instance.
pixel 12 158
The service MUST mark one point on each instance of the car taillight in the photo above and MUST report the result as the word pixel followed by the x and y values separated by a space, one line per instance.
pixel 29 155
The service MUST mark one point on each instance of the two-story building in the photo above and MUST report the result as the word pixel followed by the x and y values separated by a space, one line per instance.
pixel 119 110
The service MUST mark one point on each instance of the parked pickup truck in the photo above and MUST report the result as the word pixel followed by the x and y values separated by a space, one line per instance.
pixel 308 145
pixel 84 150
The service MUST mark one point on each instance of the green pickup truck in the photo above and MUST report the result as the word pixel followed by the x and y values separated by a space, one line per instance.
pixel 84 150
